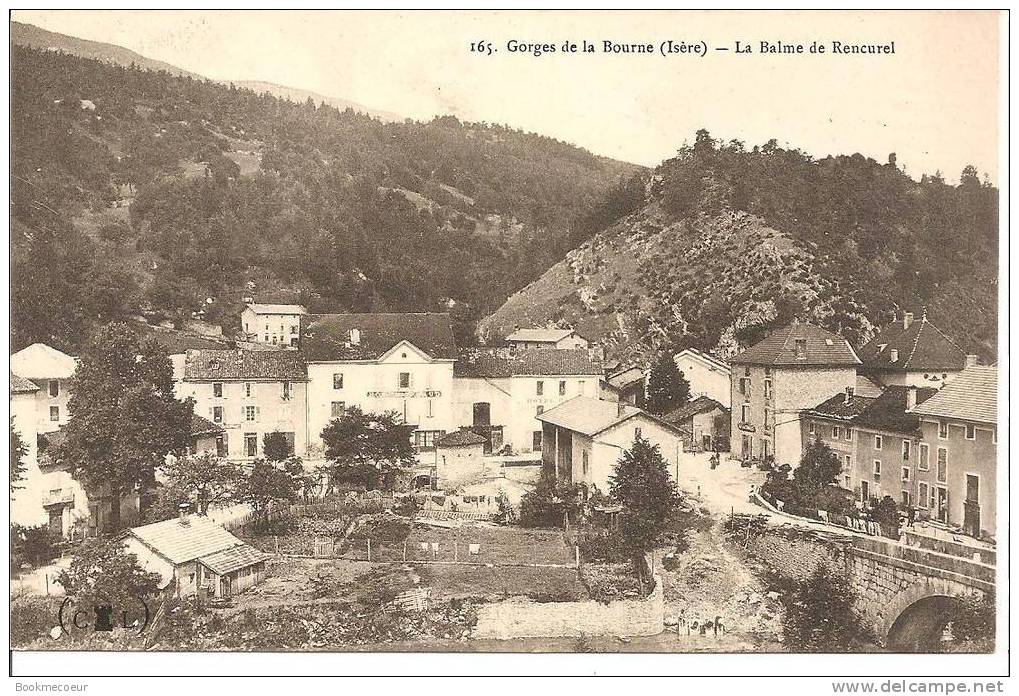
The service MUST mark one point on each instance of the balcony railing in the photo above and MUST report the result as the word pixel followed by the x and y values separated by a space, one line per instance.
pixel 58 498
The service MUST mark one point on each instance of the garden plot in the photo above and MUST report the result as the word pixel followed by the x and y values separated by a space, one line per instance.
pixel 498 546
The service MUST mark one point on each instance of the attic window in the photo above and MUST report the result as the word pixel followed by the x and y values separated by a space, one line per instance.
pixel 801 348
pixel 881 347
pixel 893 355
pixel 828 342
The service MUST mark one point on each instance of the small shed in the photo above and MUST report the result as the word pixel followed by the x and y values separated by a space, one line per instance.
pixel 193 554
pixel 459 459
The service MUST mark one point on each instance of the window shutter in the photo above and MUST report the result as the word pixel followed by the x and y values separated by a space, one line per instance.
pixel 258 410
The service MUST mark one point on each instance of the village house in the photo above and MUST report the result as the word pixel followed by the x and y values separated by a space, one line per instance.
pixel 401 363
pixel 459 460
pixel 585 437
pixel 876 439
pixel 248 394
pixel 51 370
pixel 912 352
pixel 275 324
pixel 957 462
pixel 563 339
pixel 792 369
pixel 625 384
pixel 708 376
pixel 192 554
pixel 27 493
pixel 704 422
pixel 500 392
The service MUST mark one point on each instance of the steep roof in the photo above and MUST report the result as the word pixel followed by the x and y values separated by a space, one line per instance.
pixel 701 404
pixel 176 342
pixel 888 411
pixel 326 337
pixel 919 346
pixel 526 362
pixel 972 395
pixel 625 378
pixel 20 385
pixel 40 361
pixel 779 349
pixel 540 335
pixel 180 543
pixel 269 365
pixel 589 416
pixel 234 558
pixel 276 308
pixel 461 438
pixel 707 358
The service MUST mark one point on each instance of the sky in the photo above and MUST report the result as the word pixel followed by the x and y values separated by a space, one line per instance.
pixel 934 102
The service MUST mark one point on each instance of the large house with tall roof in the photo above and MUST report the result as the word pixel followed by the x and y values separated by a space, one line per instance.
pixel 273 324
pixel 563 339
pixel 912 352
pixel 773 380
pixel 583 439
pixel 500 392
pixel 51 370
pixel 380 362
pixel 708 376
pixel 248 393
pixel 957 467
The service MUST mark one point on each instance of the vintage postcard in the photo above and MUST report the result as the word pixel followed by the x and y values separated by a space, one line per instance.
pixel 465 333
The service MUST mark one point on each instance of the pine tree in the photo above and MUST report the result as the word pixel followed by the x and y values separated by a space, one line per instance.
pixel 18 451
pixel 667 387
pixel 642 486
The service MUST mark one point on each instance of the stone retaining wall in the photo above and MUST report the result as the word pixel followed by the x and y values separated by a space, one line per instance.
pixel 525 619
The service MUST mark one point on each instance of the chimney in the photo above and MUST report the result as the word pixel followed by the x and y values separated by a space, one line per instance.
pixel 971 360
pixel 848 396
pixel 355 337
pixel 893 355
pixel 183 515
pixel 907 319
pixel 910 398
pixel 620 408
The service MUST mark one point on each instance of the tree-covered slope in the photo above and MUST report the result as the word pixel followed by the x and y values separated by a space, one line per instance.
pixel 730 242
pixel 141 191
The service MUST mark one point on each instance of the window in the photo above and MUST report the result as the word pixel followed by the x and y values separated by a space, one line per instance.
pixel 249 413
pixel 217 390
pixel 744 386
pixel 849 463
pixel 539 388
pixel 847 483
pixel 337 408
pixel 221 446
pixel 429 413
pixel 921 495
pixel 404 380
pixel 250 444
pixel 54 413
pixel 849 433
pixel 767 389
pixel 925 455
pixel 906 447
pixel 247 389
pixel 942 429
pixel 877 467
pixel 286 391
pixel 425 439
pixel 905 473
pixel 905 499
pixel 767 418
pixel 293 329
pixel 801 348
pixel 562 387
pixel 744 413
pixel 586 462
pixel 942 465
pixel 536 440
pixel 836 432
pixel 971 432
pixel 539 410
pixel 878 442
pixel 54 388
pixel 812 428
pixel 636 433
pixel 217 414
pixel 337 380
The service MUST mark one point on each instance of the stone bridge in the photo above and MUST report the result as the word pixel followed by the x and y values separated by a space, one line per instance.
pixel 905 594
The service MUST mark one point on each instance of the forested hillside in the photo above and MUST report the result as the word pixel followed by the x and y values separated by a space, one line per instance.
pixel 138 191
pixel 730 242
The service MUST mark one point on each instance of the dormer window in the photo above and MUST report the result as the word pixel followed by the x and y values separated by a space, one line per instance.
pixel 893 355
pixel 800 346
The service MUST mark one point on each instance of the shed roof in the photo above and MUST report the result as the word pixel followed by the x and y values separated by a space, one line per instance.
pixel 233 558
pixel 535 362
pixel 181 543
pixel 972 395
pixel 702 404
pixel 20 385
pixel 327 337
pixel 821 348
pixel 461 438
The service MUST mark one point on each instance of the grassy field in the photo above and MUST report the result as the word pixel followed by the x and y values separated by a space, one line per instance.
pixel 496 545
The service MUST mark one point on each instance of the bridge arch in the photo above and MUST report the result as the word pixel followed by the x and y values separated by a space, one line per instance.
pixel 916 616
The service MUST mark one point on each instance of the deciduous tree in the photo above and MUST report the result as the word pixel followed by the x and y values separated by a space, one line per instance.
pixel 202 479
pixel 367 449
pixel 104 572
pixel 18 451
